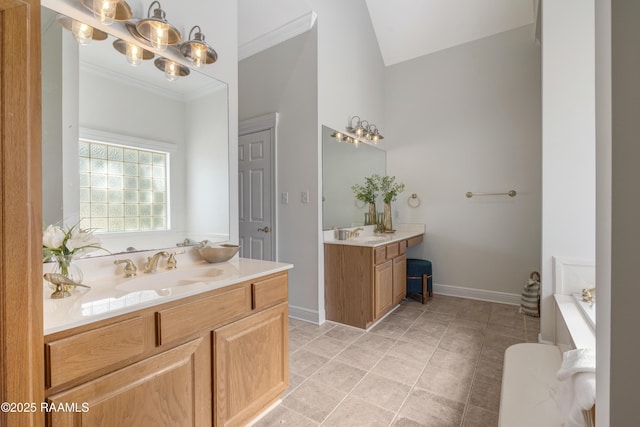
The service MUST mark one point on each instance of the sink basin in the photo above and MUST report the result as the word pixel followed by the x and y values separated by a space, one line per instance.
pixel 171 279
pixel 218 253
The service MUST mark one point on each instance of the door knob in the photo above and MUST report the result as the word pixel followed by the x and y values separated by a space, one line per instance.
pixel 265 229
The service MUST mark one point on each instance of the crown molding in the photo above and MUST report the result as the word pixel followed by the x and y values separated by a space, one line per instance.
pixel 287 31
pixel 201 91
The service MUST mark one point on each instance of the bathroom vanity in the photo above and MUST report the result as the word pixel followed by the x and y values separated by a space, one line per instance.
pixel 365 276
pixel 213 354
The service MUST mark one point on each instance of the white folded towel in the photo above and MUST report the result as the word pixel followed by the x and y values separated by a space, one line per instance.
pixel 578 390
pixel 575 361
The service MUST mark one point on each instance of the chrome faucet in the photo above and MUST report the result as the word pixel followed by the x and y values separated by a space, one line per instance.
pixel 152 262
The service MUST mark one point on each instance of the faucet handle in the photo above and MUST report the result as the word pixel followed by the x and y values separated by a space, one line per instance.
pixel 130 269
pixel 172 262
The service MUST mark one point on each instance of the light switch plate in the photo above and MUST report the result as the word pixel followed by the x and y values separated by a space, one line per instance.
pixel 305 197
pixel 284 198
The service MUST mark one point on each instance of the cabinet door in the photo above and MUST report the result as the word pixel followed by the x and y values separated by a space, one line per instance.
pixel 170 389
pixel 383 288
pixel 251 366
pixel 399 278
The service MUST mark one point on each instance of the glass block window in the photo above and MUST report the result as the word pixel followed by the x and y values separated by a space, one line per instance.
pixel 122 188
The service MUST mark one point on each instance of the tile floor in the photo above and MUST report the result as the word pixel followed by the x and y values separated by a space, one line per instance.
pixel 438 364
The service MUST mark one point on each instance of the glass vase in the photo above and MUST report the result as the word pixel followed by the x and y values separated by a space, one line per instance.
pixel 387 222
pixel 66 266
pixel 371 217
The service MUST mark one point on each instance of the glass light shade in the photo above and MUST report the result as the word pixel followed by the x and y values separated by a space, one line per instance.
pixel 105 10
pixel 159 35
pixel 134 54
pixel 198 54
pixel 82 32
pixel 196 50
pixel 171 70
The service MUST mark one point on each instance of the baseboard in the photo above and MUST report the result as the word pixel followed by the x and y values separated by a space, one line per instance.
pixel 479 294
pixel 305 314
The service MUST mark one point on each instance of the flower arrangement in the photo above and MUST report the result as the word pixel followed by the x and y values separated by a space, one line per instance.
pixel 65 241
pixel 368 192
pixel 390 188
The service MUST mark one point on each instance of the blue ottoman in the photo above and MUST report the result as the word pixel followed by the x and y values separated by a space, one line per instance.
pixel 419 280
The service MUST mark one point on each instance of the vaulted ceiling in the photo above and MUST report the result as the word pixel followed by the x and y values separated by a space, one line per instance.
pixel 405 29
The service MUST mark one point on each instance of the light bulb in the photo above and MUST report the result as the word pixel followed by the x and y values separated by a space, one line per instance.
pixel 159 36
pixel 198 54
pixel 339 136
pixel 81 32
pixel 105 10
pixel 134 54
pixel 171 70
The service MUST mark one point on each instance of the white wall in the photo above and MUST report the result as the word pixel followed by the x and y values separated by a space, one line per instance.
pixel 468 119
pixel 283 79
pixel 568 141
pixel 206 173
pixel 350 83
pixel 603 211
pixel 350 67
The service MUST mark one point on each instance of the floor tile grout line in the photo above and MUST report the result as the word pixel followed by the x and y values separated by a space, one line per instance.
pixel 368 372
pixel 396 340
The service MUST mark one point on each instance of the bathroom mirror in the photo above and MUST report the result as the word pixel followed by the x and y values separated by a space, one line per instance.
pixel 343 165
pixel 141 160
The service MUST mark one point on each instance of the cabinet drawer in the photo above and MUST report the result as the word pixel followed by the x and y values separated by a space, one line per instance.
pixel 187 319
pixel 81 354
pixel 380 255
pixel 270 291
pixel 402 246
pixel 393 250
pixel 414 241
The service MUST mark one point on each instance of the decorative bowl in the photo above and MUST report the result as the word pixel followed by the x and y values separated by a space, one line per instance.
pixel 218 253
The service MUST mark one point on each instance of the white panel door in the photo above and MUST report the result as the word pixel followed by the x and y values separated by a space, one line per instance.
pixel 254 168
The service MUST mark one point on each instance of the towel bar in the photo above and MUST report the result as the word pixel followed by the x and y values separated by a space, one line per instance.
pixel 510 193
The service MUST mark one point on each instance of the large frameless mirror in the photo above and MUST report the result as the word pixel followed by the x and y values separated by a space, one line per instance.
pixel 142 161
pixel 343 165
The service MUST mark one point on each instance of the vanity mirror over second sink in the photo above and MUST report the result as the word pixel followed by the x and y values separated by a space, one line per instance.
pixel 343 165
pixel 140 160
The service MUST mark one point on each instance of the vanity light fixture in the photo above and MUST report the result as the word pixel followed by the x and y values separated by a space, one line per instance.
pixel 134 53
pixel 358 129
pixel 362 131
pixel 172 70
pixel 197 50
pixel 373 134
pixel 82 32
pixel 156 30
pixel 107 11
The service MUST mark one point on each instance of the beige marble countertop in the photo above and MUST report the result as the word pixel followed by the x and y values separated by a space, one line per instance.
pixel 112 294
pixel 368 238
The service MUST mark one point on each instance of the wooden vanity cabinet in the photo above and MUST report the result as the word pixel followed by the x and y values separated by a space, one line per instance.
pixel 363 283
pixel 215 359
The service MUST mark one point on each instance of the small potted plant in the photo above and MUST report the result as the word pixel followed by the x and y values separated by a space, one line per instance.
pixel 368 193
pixel 390 190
